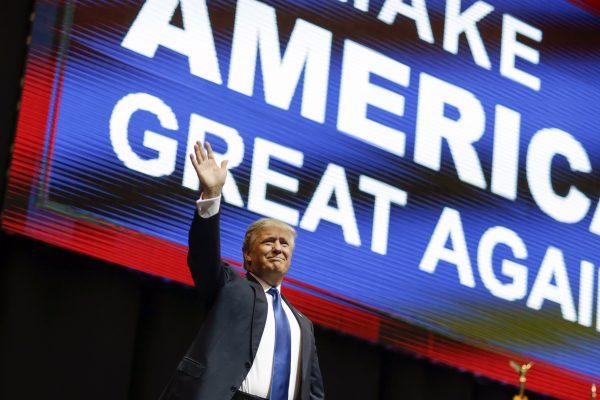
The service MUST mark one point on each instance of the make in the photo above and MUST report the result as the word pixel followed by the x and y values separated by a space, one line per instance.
pixel 458 22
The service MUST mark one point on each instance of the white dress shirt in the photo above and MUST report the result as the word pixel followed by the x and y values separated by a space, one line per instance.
pixel 258 380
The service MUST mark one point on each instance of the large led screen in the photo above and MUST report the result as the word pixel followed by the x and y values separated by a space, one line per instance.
pixel 439 160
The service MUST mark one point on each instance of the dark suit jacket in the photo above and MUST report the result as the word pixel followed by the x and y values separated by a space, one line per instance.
pixel 224 348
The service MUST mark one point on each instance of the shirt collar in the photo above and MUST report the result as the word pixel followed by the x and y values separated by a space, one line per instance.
pixel 264 284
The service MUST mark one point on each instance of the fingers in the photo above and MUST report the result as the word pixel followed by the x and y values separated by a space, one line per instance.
pixel 194 161
pixel 200 154
pixel 209 152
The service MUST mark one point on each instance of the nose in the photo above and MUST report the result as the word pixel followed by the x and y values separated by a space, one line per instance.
pixel 277 246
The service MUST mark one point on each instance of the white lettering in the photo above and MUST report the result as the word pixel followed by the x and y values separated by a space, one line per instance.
pixel 511 48
pixel 362 5
pixel 166 147
pixel 553 268
pixel 417 11
pixel 544 145
pixel 517 288
pixel 384 195
pixel 332 183
pixel 308 49
pixel 505 160
pixel 261 176
pixel 465 22
pixel 357 93
pixel 449 227
pixel 586 293
pixel 595 225
pixel 433 126
pixel 152 28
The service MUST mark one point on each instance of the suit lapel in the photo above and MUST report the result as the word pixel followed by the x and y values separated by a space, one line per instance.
pixel 305 339
pixel 259 316
pixel 259 320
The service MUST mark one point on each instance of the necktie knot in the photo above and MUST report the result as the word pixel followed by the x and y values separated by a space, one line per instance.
pixel 273 292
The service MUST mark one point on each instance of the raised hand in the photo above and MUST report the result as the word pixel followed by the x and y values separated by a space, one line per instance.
pixel 212 177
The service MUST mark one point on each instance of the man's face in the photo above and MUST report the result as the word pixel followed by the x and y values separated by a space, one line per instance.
pixel 270 254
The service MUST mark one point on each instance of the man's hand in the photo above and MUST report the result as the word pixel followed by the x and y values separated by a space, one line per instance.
pixel 211 176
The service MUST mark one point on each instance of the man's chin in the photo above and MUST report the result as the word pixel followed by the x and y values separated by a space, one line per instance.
pixel 271 275
pixel 276 265
pixel 277 269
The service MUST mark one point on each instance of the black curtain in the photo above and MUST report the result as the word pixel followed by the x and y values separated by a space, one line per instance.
pixel 72 327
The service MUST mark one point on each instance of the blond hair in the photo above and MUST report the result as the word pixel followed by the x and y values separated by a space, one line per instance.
pixel 260 224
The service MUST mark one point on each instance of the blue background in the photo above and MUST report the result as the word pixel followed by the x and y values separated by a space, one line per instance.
pixel 88 177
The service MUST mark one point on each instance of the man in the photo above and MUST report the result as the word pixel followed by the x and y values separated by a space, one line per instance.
pixel 253 344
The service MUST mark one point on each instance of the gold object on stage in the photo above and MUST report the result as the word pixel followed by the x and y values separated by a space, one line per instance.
pixel 522 370
pixel 593 390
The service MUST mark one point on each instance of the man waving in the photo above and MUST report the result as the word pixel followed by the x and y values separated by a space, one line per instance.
pixel 253 344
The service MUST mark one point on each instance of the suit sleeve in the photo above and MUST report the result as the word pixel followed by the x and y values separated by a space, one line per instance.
pixel 316 380
pixel 204 256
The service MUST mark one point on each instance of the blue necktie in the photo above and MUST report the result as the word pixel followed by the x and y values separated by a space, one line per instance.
pixel 283 350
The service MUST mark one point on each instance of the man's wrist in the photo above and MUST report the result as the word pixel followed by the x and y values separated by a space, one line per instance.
pixel 210 193
pixel 207 207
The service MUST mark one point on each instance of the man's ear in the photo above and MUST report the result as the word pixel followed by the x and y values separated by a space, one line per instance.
pixel 247 258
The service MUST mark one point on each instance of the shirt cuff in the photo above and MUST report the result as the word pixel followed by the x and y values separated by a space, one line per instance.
pixel 208 207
